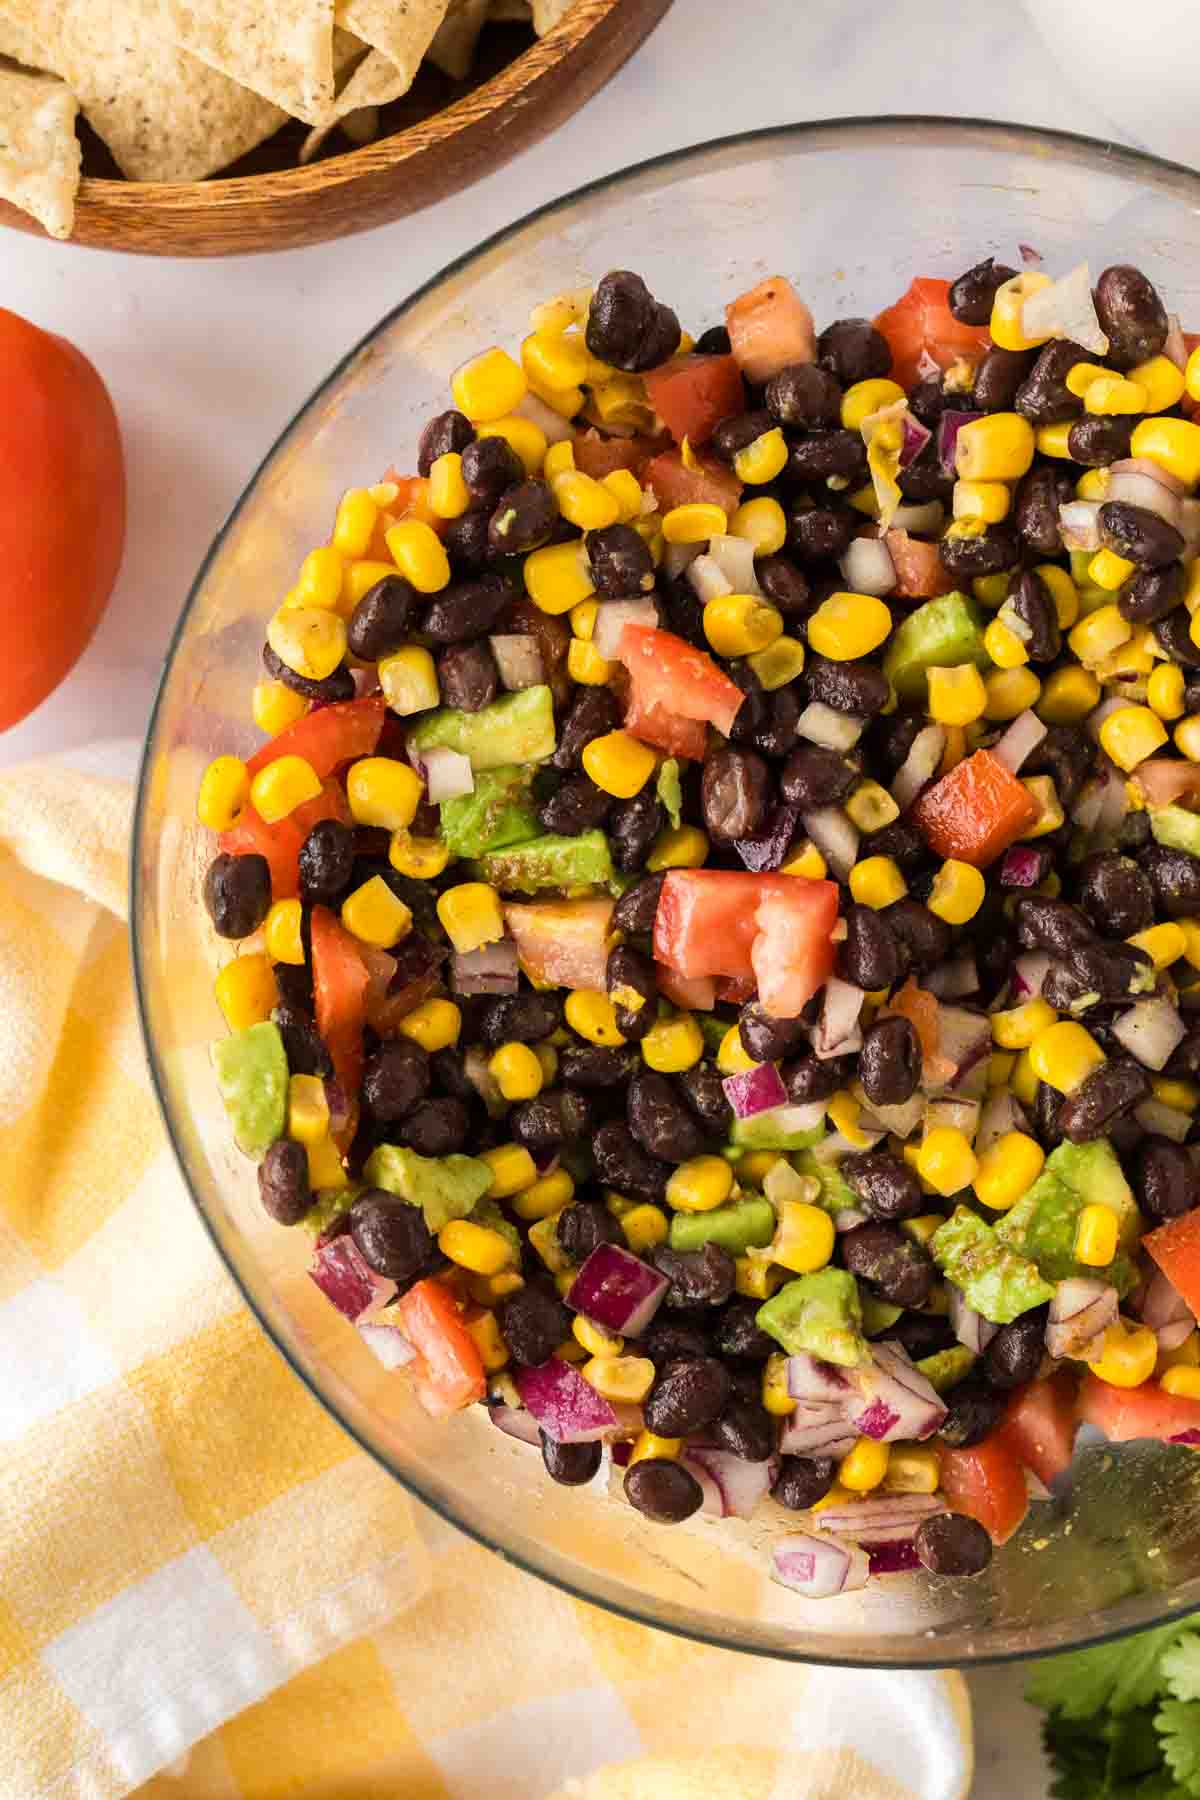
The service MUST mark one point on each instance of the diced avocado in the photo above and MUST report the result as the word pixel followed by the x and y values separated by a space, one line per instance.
pixel 834 1196
pixel 549 862
pixel 993 1278
pixel 945 1368
pixel 487 1212
pixel 775 1129
pixel 327 1209
pixel 499 812
pixel 939 635
pixel 877 1315
pixel 1043 1223
pixel 669 790
pixel 252 1079
pixel 444 1187
pixel 747 1224
pixel 1177 829
pixel 819 1313
pixel 517 728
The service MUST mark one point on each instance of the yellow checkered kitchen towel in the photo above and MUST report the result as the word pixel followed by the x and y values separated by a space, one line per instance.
pixel 206 1591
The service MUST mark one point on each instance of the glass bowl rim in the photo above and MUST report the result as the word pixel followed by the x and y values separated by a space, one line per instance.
pixel 1077 147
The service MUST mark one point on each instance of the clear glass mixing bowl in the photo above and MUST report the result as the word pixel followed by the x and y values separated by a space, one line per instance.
pixel 850 209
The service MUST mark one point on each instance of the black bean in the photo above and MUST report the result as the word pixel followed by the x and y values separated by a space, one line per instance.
pixel 971 296
pixel 629 977
pixel 1134 833
pixel 820 454
pixel 1114 1088
pixel 448 1070
pixel 620 562
pixel 1100 438
pixel 669 1340
pixel 738 432
pixel 465 539
pixel 332 688
pixel 1151 594
pixel 702 1088
pixel 1066 753
pixel 1113 971
pixel 632 828
pixel 923 937
pixel 395 1079
pixel 803 1480
pixel 636 909
pixel 467 676
pixel 889 1063
pixel 1044 397
pixel 713 342
pixel 868 955
pixel 283 1182
pixel 745 1429
pixel 305 1052
pixel 578 805
pixel 594 713
pixel 697 1277
pixel 660 1121
pixel 1139 535
pixel 326 862
pixel 519 1019
pixel 687 1396
pixel 811 1078
pixel 999 378
pixel 584 1226
pixel 1174 634
pixel 804 397
pixel 953 1544
pixel 853 350
pixel 466 610
pixel 384 619
pixel 1031 600
pixel 928 400
pixel 570 1464
pixel 295 985
pixel 448 432
pixel 1046 1103
pixel 887 1187
pixel 594 1066
pixel 525 517
pixel 849 687
pixel 391 1235
pixel 820 533
pixel 814 777
pixel 1051 925
pixel 924 479
pixel 1164 1180
pixel 237 894
pixel 734 793
pixel 1131 315
pixel 533 1323
pixel 920 1334
pixel 1040 493
pixel 621 1163
pixel 776 736
pixel 626 326
pixel 663 1490
pixel 966 558
pixel 782 582
pixel 539 1124
pixel 1015 1353
pixel 739 1334
pixel 489 467
pixel 974 1409
pixel 1115 895
pixel 436 1127
pixel 903 843
pixel 766 1038
pixel 893 1266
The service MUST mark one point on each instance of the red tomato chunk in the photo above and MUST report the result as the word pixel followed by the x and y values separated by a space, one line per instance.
pixel 773 929
pixel 975 812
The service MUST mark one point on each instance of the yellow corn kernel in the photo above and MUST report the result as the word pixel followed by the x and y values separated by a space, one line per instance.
pixel 865 398
pixel 516 1071
pixel 310 640
pixel 946 1160
pixel 358 578
pixel 619 764
pixel 1054 440
pixel 1164 691
pixel 275 707
pixel 865 500
pixel 1068 695
pixel 569 1351
pixel 1016 1028
pixel 594 1339
pixel 1161 381
pixel 955 748
pixel 560 460
pixel 871 807
pixel 1191 933
pixel 1001 1064
pixel 1132 734
pixel 526 439
pixel 775 1396
pixel 591 1015
pixel 484 1330
pixel 474 1247
pixel 488 386
pixel 544 1198
pixel 1023 1081
pixel 865 1467
pixel 1004 646
pixel 649 1447
pixel 246 991
pixel 912 1469
pixel 779 663
pixel 558 576
pixel 957 695
pixel 471 916
pixel 420 858
pixel 986 500
pixel 807 862
pixel 319 582
pixel 843 1111
pixel 620 401
pixel 621 1378
pixel 417 552
pixel 583 619
pixel 694 523
pixel 848 625
pixel 308 1109
pixel 1128 1357
pixel 997 448
pixel 678 847
pixel 513 1170
pixel 1092 485
pixel 435 1024
pixel 325 1165
pixel 354 524
pixel 1096 1236
pixel 281 933
pixel 645 1227
pixel 224 791
pixel 732 1056
pixel 1187 735
pixel 804 1237
pixel 1064 1055
pixel 374 914
pixel 1006 325
pixel 585 502
pixel 1184 1096
pixel 556 359
pixel 625 488
pixel 876 882
pixel 762 460
pixel 754 1167
pixel 1007 1168
pixel 489 1290
pixel 449 496
pixel 700 1185
pixel 1174 444
pixel 1109 571
pixel 741 624
pixel 1081 375
pixel 1163 944
pixel 924 1227
pixel 1110 393
pixel 1182 1382
pixel 1008 692
pixel 673 1044
pixel 756 1278
pixel 586 666
pixel 1184 1356
pixel 1063 592
pixel 763 521
pixel 1044 794
pixel 383 791
pixel 283 785
pixel 957 892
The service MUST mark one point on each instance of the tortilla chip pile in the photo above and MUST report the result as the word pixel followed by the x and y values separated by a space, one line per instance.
pixel 179 89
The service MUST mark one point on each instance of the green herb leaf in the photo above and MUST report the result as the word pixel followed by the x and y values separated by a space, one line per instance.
pixel 1178 1723
pixel 1118 1676
pixel 1181 1667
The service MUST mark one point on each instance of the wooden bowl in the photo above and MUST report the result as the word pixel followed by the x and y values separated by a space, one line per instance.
pixel 285 209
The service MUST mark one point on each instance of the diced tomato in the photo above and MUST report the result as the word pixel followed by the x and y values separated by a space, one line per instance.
pixel 1175 1247
pixel 562 943
pixel 987 1483
pixel 920 571
pixel 1163 782
pixel 975 812
pixel 340 983
pixel 692 394
pixel 666 730
pixel 327 737
pixel 666 671
pixel 1039 1425
pixel 770 327
pixel 1123 1414
pixel 695 993
pixel 770 929
pixel 598 456
pixel 674 485
pixel 280 843
pixel 920 324
pixel 412 502
pixel 451 1370
pixel 735 990
pixel 920 1008
pixel 793 952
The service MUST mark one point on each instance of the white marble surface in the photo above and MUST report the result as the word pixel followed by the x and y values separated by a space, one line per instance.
pixel 206 360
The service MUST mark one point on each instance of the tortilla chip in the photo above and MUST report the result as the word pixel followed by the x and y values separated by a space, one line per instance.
pixel 283 51
pixel 39 152
pixel 547 13
pixel 453 46
pixel 399 32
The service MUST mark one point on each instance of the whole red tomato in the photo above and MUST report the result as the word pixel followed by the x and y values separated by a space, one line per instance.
pixel 62 510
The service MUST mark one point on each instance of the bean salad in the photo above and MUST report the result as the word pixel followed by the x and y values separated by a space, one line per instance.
pixel 715 912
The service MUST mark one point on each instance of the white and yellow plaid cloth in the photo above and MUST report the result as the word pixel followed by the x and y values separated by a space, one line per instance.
pixel 206 1591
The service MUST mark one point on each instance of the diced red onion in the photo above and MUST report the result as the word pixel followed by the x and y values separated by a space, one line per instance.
pixel 834 1148
pixel 1151 1030
pixel 817 1429
pixel 963 1038
pixel 895 1556
pixel 849 1218
pixel 612 616
pixel 617 1290
pixel 897 1402
pixel 677 558
pixel 836 837
pixel 1080 1313
pixel 477 1072
pixel 1019 741
pixel 741 1484
pixel 1163 1121
pixel 949 426
pixel 1177 1332
pixel 841 1004
pixel 1114 804
pixel 1079 524
pixel 386 1342
pixel 734 556
pixel 708 579
pixel 901 1119
pixel 1029 255
pixel 1146 491
pixel 712 1501
pixel 1162 1305
pixel 770 846
pixel 366 681
pixel 919 766
pixel 878 1516
pixel 923 519
pixel 953 1113
pixel 971 1329
pixel 1001 1114
pixel 345 1278
pixel 446 774
pixel 810 1378
pixel 1065 309
pixel 952 980
pixel 1175 347
pixel 519 661
pixel 1145 465
pixel 867 567
pixel 824 725
pixel 567 1408
pixel 755 1090
pixel 818 1569
pixel 781 1182
pixel 516 1422
pixel 492 969
pixel 913 439
pixel 1190 1436
pixel 1022 866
